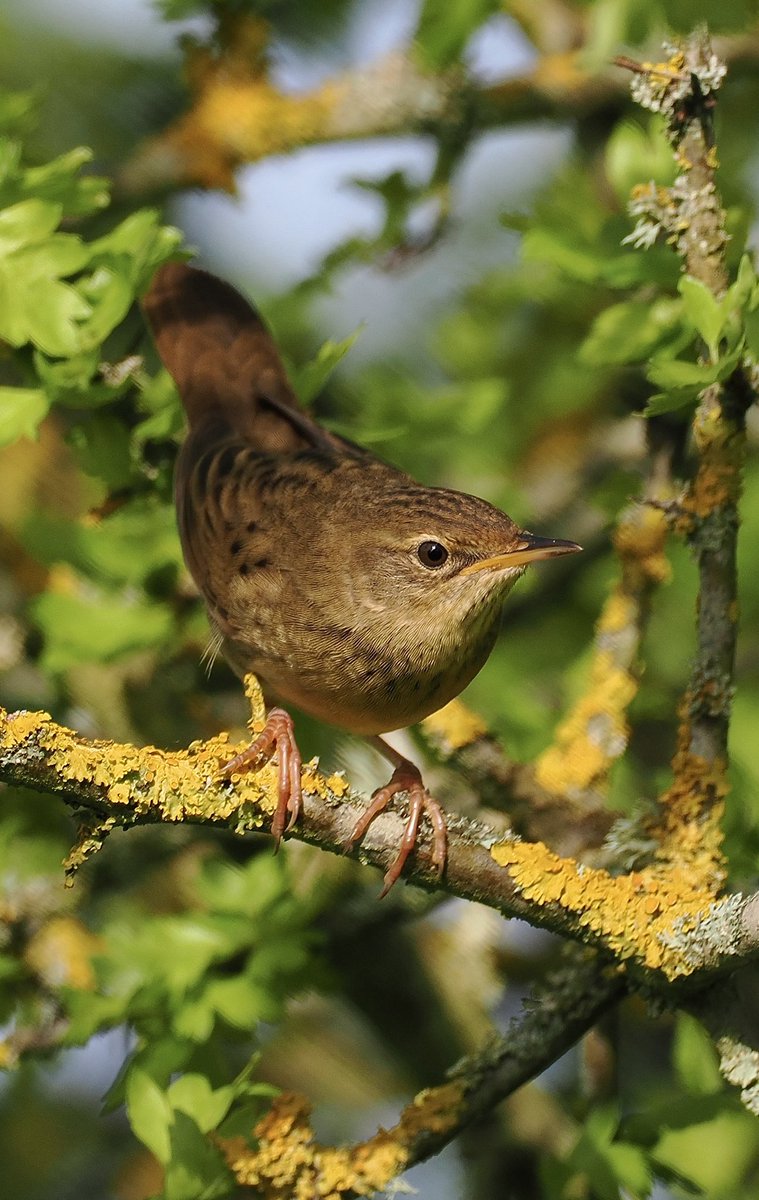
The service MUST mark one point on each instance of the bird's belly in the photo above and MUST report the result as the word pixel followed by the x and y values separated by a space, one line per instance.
pixel 368 697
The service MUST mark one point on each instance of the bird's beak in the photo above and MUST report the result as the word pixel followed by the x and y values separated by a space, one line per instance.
pixel 529 549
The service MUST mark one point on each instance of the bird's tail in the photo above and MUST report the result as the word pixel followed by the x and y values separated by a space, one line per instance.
pixel 224 361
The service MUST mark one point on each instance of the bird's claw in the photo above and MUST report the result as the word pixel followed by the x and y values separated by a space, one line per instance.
pixel 277 736
pixel 406 778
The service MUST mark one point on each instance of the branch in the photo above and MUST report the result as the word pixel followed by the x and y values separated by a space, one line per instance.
pixel 688 827
pixel 644 919
pixel 728 1011
pixel 288 1160
pixel 237 116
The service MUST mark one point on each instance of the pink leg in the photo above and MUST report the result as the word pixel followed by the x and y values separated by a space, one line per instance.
pixel 277 736
pixel 405 778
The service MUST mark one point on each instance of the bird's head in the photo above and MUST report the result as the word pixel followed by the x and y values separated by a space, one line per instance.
pixel 434 555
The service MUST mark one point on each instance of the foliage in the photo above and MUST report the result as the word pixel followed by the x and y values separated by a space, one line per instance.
pixel 529 385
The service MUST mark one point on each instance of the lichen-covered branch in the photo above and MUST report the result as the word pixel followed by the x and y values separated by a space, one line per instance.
pixel 644 919
pixel 688 827
pixel 288 1160
pixel 595 733
pixel 237 115
pixel 728 1011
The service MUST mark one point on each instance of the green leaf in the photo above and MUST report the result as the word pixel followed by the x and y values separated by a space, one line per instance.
pixel 609 1163
pixel 159 399
pixel 195 1019
pixel 103 449
pixel 745 284
pixel 631 1168
pixel 28 222
pixel 149 1112
pixel 664 402
pixel 587 263
pixel 89 1012
pixel 631 331
pixel 68 377
pixel 37 307
pixel 251 889
pixel 141 244
pixel 311 378
pixel 22 410
pixel 60 181
pixel 675 373
pixel 695 1058
pixel 242 1002
pixel 751 326
pixel 192 1094
pixel 706 314
pixel 97 630
pixel 111 296
pixel 634 154
pixel 160 1058
pixel 196 1169
pixel 715 1154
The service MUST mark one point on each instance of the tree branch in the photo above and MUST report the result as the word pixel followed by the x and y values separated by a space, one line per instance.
pixel 644 919
pixel 688 826
pixel 237 116
pixel 287 1156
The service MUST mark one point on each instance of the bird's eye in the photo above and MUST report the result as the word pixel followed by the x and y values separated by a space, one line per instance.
pixel 432 554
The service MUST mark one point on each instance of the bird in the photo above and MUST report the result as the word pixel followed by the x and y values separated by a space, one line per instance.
pixel 354 593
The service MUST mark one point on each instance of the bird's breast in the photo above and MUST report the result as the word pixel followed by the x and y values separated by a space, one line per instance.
pixel 365 684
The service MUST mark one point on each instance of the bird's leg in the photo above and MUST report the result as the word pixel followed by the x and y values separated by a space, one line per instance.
pixel 405 778
pixel 277 736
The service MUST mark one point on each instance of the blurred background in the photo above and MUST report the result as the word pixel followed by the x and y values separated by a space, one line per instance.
pixel 474 266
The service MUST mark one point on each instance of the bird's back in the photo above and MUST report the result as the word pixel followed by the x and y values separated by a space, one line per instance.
pixel 250 453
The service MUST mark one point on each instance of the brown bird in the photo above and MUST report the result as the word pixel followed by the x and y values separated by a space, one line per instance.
pixel 352 591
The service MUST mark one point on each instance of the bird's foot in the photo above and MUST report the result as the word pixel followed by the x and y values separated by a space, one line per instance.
pixel 277 736
pixel 406 778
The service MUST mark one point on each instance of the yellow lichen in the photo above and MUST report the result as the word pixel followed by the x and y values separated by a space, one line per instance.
pixel 434 1110
pixel 255 697
pixel 454 726
pixel 17 727
pixel 61 952
pixel 633 915
pixel 289 1164
pixel 639 540
pixel 688 825
pixel 662 74
pixel 593 735
pixel 253 120
pixel 175 785
pixel 323 785
pixel 718 479
pixel 711 489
